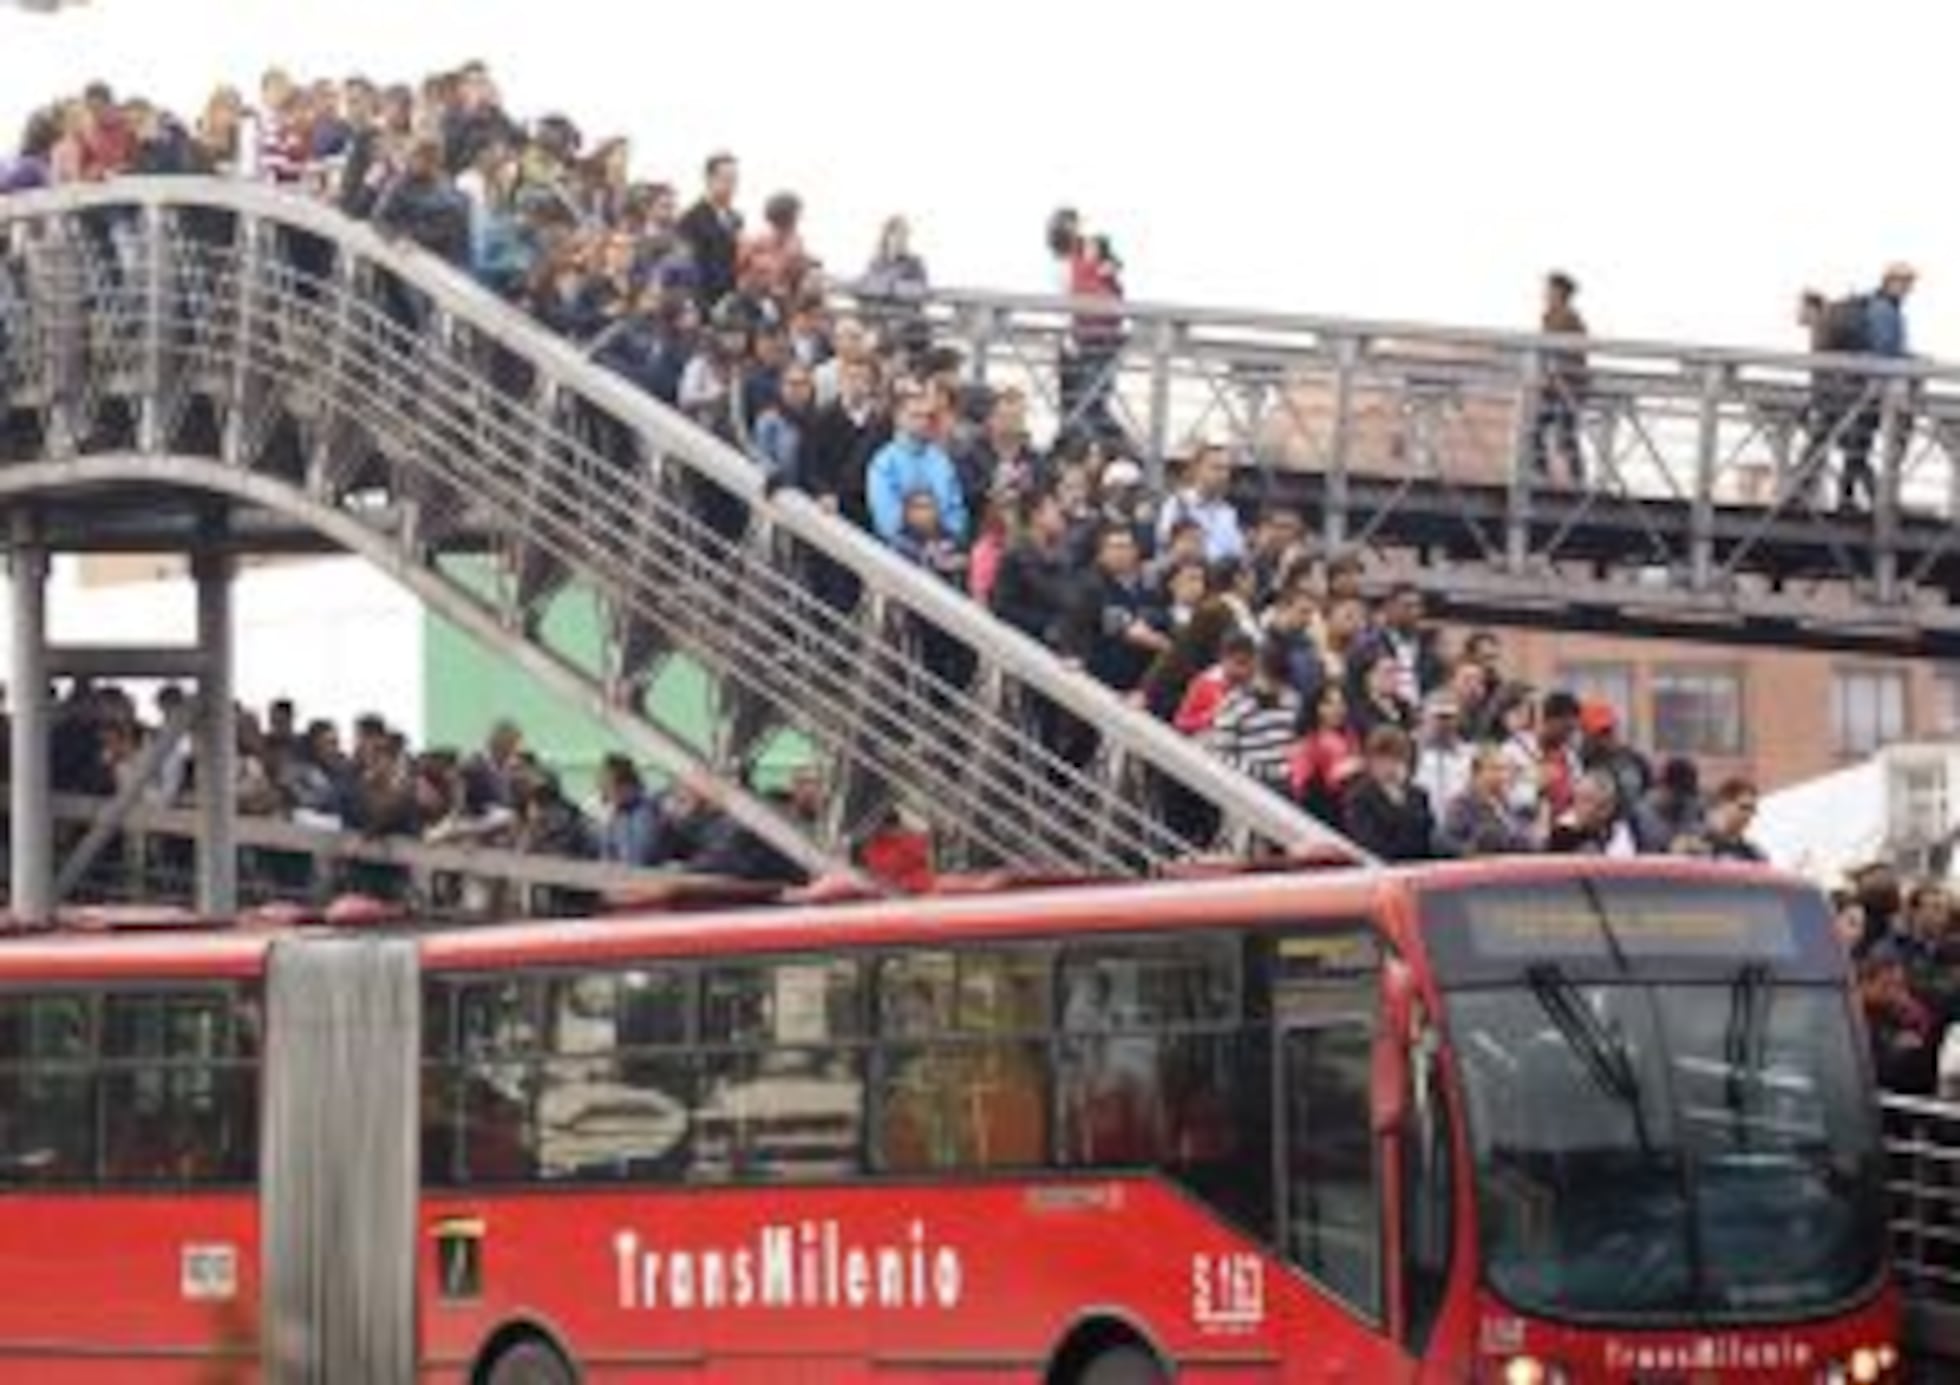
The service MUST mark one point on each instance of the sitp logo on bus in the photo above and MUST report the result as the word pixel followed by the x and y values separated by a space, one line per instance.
pixel 1228 1291
pixel 812 1264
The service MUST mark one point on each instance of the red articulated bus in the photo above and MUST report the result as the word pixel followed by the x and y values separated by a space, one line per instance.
pixel 1523 1122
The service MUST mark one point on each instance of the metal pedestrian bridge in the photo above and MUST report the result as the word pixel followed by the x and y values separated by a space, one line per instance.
pixel 221 370
pixel 1706 506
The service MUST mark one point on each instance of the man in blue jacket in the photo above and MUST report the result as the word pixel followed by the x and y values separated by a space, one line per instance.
pixel 1883 325
pixel 910 462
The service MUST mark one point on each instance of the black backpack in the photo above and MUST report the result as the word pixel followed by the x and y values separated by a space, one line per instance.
pixel 1847 325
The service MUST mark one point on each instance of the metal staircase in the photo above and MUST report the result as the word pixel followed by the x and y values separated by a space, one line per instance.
pixel 183 359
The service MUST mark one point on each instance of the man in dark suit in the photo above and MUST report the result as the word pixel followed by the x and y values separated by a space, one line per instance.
pixel 713 229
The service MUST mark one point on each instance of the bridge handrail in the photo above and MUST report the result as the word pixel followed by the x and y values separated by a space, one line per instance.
pixel 454 294
pixel 1484 339
pixel 486 863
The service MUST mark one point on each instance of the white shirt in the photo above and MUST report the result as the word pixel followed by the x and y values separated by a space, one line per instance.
pixel 1443 772
pixel 1217 518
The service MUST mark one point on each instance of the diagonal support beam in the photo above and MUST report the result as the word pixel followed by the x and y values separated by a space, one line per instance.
pixel 115 813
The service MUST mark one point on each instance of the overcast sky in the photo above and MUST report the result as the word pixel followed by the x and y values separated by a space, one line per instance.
pixel 1694 163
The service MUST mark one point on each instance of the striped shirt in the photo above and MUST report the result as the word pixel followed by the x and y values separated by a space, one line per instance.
pixel 1255 731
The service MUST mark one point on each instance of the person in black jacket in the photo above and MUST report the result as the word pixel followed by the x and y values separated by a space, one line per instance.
pixel 1115 626
pixel 844 436
pixel 1031 590
pixel 1384 812
pixel 425 207
pixel 477 121
pixel 713 228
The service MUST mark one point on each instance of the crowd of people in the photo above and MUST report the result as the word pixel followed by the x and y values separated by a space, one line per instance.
pixel 1228 625
pixel 1904 937
pixel 501 795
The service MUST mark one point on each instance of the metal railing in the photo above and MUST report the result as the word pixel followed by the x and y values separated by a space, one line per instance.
pixel 149 861
pixel 1922 1181
pixel 1709 475
pixel 218 337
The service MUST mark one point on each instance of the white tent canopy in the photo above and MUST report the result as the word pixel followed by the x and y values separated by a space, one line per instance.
pixel 1824 827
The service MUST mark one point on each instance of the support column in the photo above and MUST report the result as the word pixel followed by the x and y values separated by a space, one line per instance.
pixel 217 739
pixel 32 821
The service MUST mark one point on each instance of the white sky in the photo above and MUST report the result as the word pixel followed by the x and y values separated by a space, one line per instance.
pixel 1694 163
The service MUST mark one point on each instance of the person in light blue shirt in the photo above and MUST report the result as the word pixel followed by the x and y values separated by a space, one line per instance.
pixel 910 462
pixel 1204 501
pixel 1884 335
pixel 1885 313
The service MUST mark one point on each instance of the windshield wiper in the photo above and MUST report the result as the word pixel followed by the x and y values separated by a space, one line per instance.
pixel 1604 1056
pixel 1744 1043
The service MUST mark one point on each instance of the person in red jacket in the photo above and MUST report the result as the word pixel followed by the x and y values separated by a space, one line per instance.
pixel 1238 657
pixel 1328 756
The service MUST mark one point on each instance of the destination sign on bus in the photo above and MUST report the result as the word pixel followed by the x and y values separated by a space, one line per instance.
pixel 1564 924
pixel 1604 925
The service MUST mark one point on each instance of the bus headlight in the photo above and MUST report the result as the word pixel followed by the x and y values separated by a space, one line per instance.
pixel 1529 1370
pixel 1864 1366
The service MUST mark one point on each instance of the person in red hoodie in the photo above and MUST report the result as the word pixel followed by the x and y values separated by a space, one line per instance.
pixel 1328 756
pixel 1238 658
pixel 1090 269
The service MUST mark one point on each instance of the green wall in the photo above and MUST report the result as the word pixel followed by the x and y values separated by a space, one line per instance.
pixel 466 689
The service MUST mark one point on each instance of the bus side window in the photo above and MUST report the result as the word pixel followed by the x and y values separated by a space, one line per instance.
pixel 615 1088
pixel 781 1090
pixel 47 1113
pixel 180 1105
pixel 1151 1053
pixel 497 1031
pixel 963 1066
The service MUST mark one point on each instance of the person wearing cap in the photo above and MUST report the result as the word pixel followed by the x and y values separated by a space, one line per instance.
pixel 1601 751
pixel 1122 499
pixel 1443 756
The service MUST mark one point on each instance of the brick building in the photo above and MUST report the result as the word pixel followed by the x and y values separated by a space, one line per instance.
pixel 1779 716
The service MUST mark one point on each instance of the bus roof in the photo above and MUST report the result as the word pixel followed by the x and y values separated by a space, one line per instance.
pixel 99 945
pixel 1221 901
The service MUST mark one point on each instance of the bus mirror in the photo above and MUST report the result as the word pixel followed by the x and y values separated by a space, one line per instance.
pixel 1390 1075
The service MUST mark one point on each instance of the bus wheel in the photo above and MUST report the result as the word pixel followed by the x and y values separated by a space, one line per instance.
pixel 529 1362
pixel 1126 1365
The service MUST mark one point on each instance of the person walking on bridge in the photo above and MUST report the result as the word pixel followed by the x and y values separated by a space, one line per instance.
pixel 1563 384
pixel 1872 324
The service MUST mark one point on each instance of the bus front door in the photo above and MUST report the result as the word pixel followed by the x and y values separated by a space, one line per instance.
pixel 1330 1194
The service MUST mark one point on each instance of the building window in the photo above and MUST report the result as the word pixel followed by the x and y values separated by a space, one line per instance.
pixel 1604 682
pixel 1698 712
pixel 1868 709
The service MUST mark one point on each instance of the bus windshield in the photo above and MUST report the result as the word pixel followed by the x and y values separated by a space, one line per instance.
pixel 1649 1150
